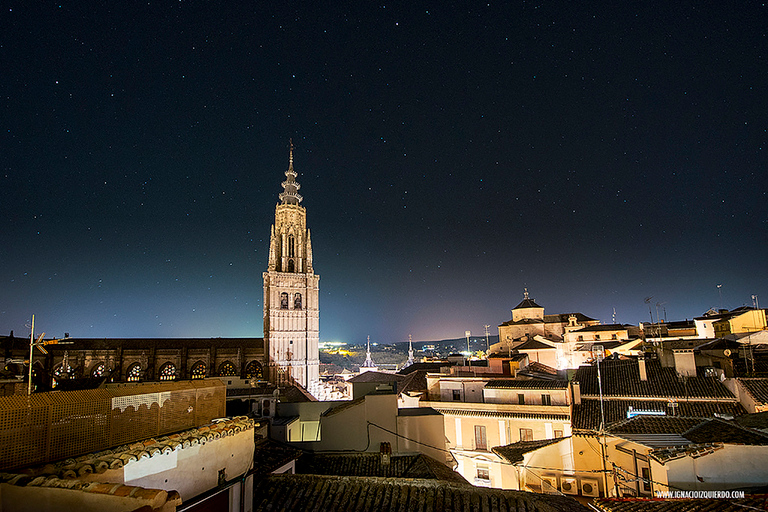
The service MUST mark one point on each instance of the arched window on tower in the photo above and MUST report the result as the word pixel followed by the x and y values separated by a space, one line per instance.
pixel 297 301
pixel 253 370
pixel 284 300
pixel 291 266
pixel 198 371
pixel 168 371
pixel 291 246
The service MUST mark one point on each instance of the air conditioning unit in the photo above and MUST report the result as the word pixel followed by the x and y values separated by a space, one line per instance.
pixel 569 485
pixel 549 484
pixel 590 487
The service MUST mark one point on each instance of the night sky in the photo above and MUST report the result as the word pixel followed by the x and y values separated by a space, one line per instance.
pixel 449 156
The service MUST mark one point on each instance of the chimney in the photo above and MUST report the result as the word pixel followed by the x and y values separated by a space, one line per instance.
pixel 385 450
pixel 685 363
pixel 641 369
pixel 576 393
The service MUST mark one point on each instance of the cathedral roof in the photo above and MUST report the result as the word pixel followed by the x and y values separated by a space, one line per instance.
pixel 527 302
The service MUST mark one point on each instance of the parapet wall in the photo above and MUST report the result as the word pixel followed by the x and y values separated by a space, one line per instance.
pixel 52 426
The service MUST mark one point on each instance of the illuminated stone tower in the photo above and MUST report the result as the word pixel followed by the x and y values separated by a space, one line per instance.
pixel 291 313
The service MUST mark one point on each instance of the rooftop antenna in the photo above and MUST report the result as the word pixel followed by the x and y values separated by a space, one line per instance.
pixel 614 316
pixel 720 292
pixel 487 343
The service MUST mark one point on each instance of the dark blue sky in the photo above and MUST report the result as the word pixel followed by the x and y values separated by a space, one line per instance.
pixel 449 155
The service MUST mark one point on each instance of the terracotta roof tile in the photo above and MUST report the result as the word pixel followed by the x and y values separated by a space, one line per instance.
pixel 757 387
pixel 621 377
pixel 526 384
pixel 754 502
pixel 586 416
pixel 342 493
pixel 515 452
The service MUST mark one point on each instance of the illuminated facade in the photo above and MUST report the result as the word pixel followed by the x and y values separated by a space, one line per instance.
pixel 291 287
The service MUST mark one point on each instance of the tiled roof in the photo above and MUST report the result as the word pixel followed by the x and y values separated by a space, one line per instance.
pixel 536 366
pixel 429 366
pixel 343 493
pixel 526 304
pixel 754 502
pixel 757 388
pixel 523 321
pixel 720 431
pixel 685 344
pixel 415 381
pixel 621 377
pixel 604 327
pixel 565 318
pixel 515 452
pixel 586 416
pixel 155 499
pixel 498 414
pixel 507 355
pixel 655 425
pixel 116 458
pixel 532 344
pixel 270 455
pixel 689 450
pixel 526 384
pixel 370 464
pixel 377 377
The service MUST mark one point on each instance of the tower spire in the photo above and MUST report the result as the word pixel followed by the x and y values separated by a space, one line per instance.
pixel 368 359
pixel 290 194
pixel 410 352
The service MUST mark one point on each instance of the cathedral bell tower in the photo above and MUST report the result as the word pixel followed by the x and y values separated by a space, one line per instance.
pixel 291 288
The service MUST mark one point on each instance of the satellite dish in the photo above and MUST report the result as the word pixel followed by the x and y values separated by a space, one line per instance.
pixel 727 352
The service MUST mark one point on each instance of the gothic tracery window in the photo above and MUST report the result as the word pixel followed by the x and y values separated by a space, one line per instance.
pixel 198 371
pixel 297 301
pixel 134 373
pixel 168 371
pixel 99 370
pixel 254 370
pixel 227 369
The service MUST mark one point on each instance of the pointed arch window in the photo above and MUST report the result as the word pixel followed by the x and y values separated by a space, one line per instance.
pixel 254 370
pixel 291 266
pixel 297 301
pixel 99 370
pixel 61 372
pixel 284 300
pixel 227 369
pixel 168 371
pixel 134 373
pixel 198 371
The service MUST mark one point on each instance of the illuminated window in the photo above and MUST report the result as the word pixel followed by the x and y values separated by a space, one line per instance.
pixel 99 370
pixel 134 373
pixel 253 370
pixel 483 473
pixel 198 371
pixel 558 434
pixel 61 373
pixel 168 371
pixel 227 369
